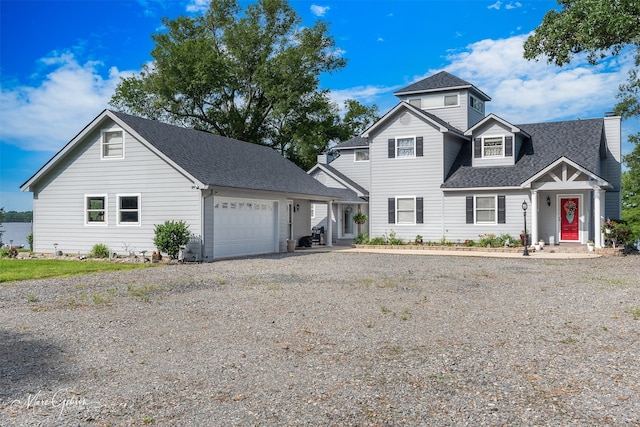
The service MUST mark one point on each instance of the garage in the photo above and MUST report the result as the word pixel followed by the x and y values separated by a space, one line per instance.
pixel 244 227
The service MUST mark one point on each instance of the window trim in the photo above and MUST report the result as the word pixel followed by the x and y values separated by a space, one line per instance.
pixel 414 138
pixel 495 209
pixel 502 155
pixel 86 210
pixel 414 210
pixel 360 150
pixel 103 133
pixel 119 222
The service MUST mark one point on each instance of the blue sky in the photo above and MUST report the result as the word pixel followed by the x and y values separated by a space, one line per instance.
pixel 61 60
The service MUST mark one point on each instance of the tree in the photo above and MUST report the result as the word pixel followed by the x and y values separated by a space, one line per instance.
pixel 251 75
pixel 600 28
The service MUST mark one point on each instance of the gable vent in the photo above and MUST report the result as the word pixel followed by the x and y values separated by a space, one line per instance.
pixel 405 119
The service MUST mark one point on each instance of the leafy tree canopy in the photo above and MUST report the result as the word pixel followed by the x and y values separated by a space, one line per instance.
pixel 599 28
pixel 249 74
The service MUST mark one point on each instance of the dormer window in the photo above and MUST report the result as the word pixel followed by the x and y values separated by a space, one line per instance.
pixel 361 155
pixel 112 144
pixel 493 146
pixel 416 102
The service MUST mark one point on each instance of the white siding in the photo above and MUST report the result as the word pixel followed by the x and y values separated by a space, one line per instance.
pixel 419 177
pixel 456 228
pixel 359 172
pixel 489 130
pixel 59 200
pixel 452 146
pixel 455 115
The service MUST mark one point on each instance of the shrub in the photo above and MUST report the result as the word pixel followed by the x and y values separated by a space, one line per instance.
pixel 378 241
pixel 362 239
pixel 99 250
pixel 171 236
pixel 30 241
pixel 393 240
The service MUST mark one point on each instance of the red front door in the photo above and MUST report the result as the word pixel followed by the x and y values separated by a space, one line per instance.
pixel 569 228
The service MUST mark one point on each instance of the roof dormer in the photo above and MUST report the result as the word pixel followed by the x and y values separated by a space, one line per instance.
pixel 496 142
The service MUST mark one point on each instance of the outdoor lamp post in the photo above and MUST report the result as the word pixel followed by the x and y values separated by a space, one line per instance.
pixel 526 240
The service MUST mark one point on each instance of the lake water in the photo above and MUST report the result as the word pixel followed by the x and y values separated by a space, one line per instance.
pixel 16 231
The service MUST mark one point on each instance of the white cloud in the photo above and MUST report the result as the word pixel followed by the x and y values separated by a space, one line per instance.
pixel 198 5
pixel 319 10
pixel 365 94
pixel 527 91
pixel 513 5
pixel 495 6
pixel 380 39
pixel 44 117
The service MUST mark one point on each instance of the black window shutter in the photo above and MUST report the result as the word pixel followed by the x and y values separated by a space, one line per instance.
pixel 419 144
pixel 469 209
pixel 501 210
pixel 392 210
pixel 419 210
pixel 508 146
pixel 477 148
pixel 392 148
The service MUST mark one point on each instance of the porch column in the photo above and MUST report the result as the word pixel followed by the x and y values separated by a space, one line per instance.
pixel 328 239
pixel 597 217
pixel 534 217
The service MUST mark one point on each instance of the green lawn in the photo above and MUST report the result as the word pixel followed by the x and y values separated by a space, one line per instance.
pixel 18 269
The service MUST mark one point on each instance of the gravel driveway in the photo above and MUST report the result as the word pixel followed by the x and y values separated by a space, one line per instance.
pixel 330 339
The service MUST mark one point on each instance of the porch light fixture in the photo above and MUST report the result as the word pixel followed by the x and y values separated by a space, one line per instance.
pixel 526 240
pixel 296 208
pixel 548 201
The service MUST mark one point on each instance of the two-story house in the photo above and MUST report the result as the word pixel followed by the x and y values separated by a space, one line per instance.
pixel 435 165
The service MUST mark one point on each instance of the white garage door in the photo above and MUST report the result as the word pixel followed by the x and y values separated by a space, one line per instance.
pixel 243 227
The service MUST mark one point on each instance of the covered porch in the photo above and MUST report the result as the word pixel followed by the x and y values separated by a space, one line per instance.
pixel 568 204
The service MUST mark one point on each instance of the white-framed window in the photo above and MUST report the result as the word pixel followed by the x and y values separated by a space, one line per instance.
pixel 362 155
pixel 493 146
pixel 486 211
pixel 476 104
pixel 405 210
pixel 416 102
pixel 128 209
pixel 313 210
pixel 112 142
pixel 451 100
pixel 95 209
pixel 439 101
pixel 406 146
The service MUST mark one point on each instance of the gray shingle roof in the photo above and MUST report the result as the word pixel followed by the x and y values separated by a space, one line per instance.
pixel 345 179
pixel 577 140
pixel 219 161
pixel 439 81
pixel 357 141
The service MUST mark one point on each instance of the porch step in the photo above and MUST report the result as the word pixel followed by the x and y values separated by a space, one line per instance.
pixel 566 248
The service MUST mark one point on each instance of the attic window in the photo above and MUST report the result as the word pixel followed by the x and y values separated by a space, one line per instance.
pixel 112 144
pixel 362 155
pixel 416 102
